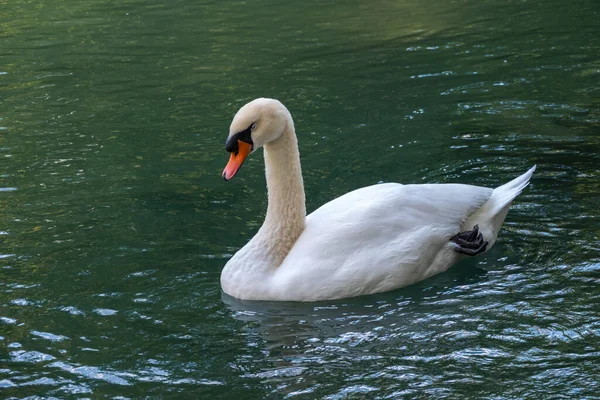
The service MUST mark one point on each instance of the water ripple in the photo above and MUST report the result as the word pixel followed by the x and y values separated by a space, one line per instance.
pixel 94 373
pixel 116 223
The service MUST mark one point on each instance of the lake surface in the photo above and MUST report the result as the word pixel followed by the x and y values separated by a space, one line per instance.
pixel 115 221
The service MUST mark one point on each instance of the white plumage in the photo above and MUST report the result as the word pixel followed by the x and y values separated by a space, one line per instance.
pixel 370 240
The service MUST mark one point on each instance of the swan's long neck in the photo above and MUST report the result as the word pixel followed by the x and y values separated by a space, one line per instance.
pixel 286 212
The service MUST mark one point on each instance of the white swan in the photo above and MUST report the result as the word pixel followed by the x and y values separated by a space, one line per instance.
pixel 370 240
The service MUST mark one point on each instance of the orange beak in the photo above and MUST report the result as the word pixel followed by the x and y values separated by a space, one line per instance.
pixel 236 160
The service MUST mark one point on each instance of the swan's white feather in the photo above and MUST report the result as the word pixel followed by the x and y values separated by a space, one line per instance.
pixel 388 236
pixel 377 238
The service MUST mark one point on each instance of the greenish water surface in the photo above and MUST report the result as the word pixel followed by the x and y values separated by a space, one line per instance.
pixel 115 222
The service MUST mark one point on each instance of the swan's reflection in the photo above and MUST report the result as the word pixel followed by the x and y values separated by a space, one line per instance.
pixel 293 324
pixel 303 345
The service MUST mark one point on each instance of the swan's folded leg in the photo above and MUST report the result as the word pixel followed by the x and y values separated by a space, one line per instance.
pixel 470 242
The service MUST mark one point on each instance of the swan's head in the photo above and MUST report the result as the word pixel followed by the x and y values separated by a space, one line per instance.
pixel 257 123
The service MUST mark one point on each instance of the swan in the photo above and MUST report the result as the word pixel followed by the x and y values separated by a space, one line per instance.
pixel 371 240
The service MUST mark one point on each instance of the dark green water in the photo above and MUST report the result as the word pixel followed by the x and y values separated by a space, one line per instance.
pixel 115 222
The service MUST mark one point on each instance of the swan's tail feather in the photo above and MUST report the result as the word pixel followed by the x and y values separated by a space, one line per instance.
pixel 505 194
pixel 491 216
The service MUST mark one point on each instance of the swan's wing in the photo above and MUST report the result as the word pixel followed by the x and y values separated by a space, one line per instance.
pixel 404 205
pixel 388 234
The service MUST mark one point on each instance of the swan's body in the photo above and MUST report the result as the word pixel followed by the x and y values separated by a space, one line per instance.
pixel 370 240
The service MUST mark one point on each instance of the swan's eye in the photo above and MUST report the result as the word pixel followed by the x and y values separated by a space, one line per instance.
pixel 253 126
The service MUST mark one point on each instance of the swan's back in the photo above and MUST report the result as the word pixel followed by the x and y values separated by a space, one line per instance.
pixel 407 206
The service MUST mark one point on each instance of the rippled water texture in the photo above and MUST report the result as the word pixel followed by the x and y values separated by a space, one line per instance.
pixel 115 223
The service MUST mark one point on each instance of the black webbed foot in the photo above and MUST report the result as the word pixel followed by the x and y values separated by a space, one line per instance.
pixel 470 242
